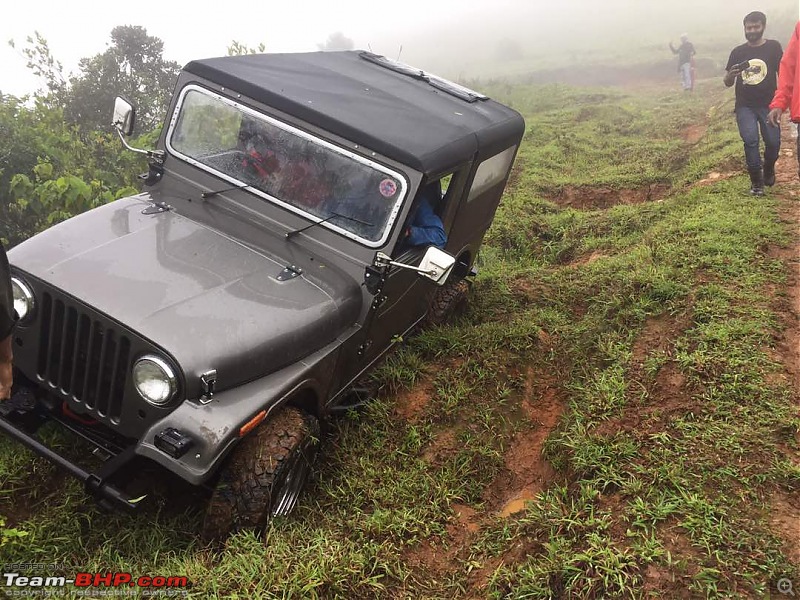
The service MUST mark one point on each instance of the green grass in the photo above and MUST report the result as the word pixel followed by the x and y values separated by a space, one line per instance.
pixel 658 488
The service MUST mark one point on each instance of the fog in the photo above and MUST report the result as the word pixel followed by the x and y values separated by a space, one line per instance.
pixel 533 36
pixel 450 37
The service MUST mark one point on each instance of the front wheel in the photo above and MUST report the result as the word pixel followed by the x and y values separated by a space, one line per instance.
pixel 448 301
pixel 264 476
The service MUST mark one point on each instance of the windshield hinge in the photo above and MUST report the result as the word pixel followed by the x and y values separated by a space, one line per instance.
pixel 156 207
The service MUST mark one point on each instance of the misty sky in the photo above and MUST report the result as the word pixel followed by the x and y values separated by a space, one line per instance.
pixel 452 37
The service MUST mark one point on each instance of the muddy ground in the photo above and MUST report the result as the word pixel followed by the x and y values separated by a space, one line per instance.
pixel 527 472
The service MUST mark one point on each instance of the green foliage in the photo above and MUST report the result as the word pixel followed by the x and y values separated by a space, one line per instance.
pixel 239 49
pixel 9 535
pixel 207 124
pixel 59 155
pixel 36 205
pixel 52 170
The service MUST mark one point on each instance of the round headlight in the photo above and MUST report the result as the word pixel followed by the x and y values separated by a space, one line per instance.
pixel 23 298
pixel 154 380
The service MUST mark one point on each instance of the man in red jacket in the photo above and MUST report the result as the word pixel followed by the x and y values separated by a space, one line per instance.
pixel 787 95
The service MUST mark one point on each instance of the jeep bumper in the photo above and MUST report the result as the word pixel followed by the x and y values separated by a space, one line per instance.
pixel 16 416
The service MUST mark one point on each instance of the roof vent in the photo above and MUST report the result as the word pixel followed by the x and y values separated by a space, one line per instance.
pixel 454 89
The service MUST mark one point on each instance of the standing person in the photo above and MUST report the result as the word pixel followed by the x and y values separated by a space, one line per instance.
pixel 6 323
pixel 788 82
pixel 753 66
pixel 685 54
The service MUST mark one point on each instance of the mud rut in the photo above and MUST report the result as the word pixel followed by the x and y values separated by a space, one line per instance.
pixel 527 472
pixel 785 506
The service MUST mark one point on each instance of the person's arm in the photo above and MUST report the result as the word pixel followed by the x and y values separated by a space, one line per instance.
pixel 427 235
pixel 731 74
pixel 671 47
pixel 786 77
pixel 730 77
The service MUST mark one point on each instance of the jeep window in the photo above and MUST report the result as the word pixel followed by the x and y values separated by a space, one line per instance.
pixel 287 166
pixel 491 172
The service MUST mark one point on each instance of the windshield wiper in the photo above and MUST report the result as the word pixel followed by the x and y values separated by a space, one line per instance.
pixel 241 186
pixel 328 218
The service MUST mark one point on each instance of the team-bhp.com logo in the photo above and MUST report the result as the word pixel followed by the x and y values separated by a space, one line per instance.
pixel 91 581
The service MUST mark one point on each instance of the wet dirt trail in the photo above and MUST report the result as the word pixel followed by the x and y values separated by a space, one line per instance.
pixel 787 192
pixel 785 507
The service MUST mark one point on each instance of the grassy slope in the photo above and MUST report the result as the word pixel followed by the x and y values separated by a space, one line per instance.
pixel 647 329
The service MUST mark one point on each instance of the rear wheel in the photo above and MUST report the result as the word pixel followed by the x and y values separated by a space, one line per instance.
pixel 264 476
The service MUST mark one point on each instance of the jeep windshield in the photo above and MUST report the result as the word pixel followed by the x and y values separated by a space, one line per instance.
pixel 286 166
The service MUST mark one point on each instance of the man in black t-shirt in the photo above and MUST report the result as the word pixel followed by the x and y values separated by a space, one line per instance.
pixel 7 315
pixel 753 66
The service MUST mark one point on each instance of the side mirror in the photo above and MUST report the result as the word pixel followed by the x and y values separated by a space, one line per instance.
pixel 123 121
pixel 124 116
pixel 435 265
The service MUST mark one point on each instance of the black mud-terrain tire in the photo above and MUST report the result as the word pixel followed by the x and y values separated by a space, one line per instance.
pixel 449 300
pixel 264 475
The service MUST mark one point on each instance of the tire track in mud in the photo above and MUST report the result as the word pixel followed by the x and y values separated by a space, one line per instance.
pixel 785 506
pixel 787 192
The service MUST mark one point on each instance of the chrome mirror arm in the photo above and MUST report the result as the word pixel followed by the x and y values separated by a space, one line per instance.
pixel 383 260
pixel 157 155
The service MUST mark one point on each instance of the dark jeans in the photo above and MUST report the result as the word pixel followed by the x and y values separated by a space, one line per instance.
pixel 749 120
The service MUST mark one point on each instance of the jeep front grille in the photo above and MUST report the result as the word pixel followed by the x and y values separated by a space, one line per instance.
pixel 83 357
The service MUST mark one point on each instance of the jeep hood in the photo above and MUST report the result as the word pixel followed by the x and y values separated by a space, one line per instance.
pixel 207 300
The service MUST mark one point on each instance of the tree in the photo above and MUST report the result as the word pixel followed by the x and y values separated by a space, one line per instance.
pixel 49 170
pixel 133 66
pixel 337 41
pixel 58 155
pixel 43 65
pixel 238 49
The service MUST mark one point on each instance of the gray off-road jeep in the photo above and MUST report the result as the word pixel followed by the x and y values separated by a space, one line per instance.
pixel 284 240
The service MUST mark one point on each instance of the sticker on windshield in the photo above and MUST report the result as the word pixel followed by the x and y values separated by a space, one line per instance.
pixel 388 188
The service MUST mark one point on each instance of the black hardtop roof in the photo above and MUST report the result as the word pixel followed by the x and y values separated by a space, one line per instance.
pixel 400 116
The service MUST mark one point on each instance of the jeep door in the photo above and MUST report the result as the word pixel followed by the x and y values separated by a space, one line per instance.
pixel 479 202
pixel 400 304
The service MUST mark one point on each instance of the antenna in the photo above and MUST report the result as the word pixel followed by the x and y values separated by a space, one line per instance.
pixel 370 47
pixel 399 52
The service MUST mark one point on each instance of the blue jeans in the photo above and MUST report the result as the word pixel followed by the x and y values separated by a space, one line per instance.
pixel 686 75
pixel 749 120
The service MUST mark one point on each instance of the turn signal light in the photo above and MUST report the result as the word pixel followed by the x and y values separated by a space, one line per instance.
pixel 252 423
